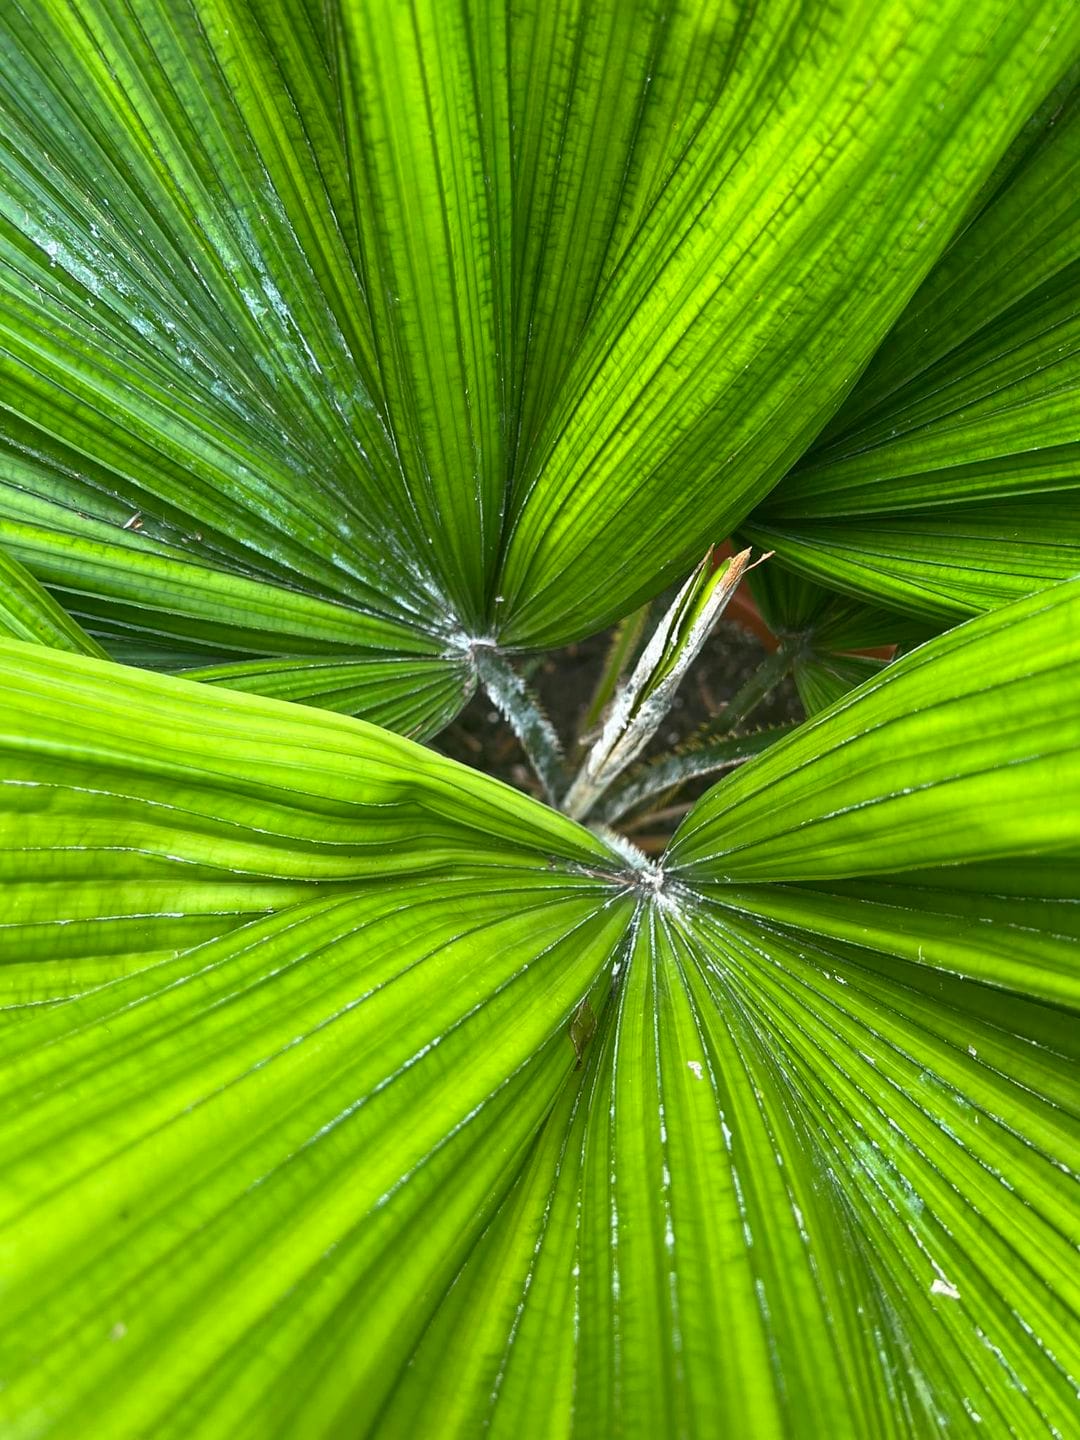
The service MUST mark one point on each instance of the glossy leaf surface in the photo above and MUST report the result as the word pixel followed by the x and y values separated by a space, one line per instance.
pixel 945 485
pixel 520 1136
pixel 456 318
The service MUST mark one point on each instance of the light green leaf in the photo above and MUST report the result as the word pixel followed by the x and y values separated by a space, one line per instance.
pixel 151 604
pixel 417 696
pixel 163 813
pixel 1014 926
pixel 766 251
pixel 944 484
pixel 256 1137
pixel 191 376
pixel 825 619
pixel 427 126
pixel 794 1182
pixel 983 722
pixel 28 612
pixel 941 566
pixel 827 1134
pixel 408 1105
pixel 481 320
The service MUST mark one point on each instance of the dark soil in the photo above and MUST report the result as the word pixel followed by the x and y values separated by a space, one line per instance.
pixel 564 680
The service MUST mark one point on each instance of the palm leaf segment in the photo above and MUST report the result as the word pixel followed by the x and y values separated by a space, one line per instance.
pixel 945 485
pixel 409 1107
pixel 823 635
pixel 346 1091
pixel 332 344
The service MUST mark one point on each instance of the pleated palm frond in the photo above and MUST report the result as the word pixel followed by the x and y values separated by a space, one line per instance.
pixel 347 1091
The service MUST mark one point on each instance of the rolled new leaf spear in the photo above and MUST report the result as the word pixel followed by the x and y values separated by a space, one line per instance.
pixel 642 701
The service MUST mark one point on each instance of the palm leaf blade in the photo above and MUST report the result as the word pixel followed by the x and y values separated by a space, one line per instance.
pixel 944 482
